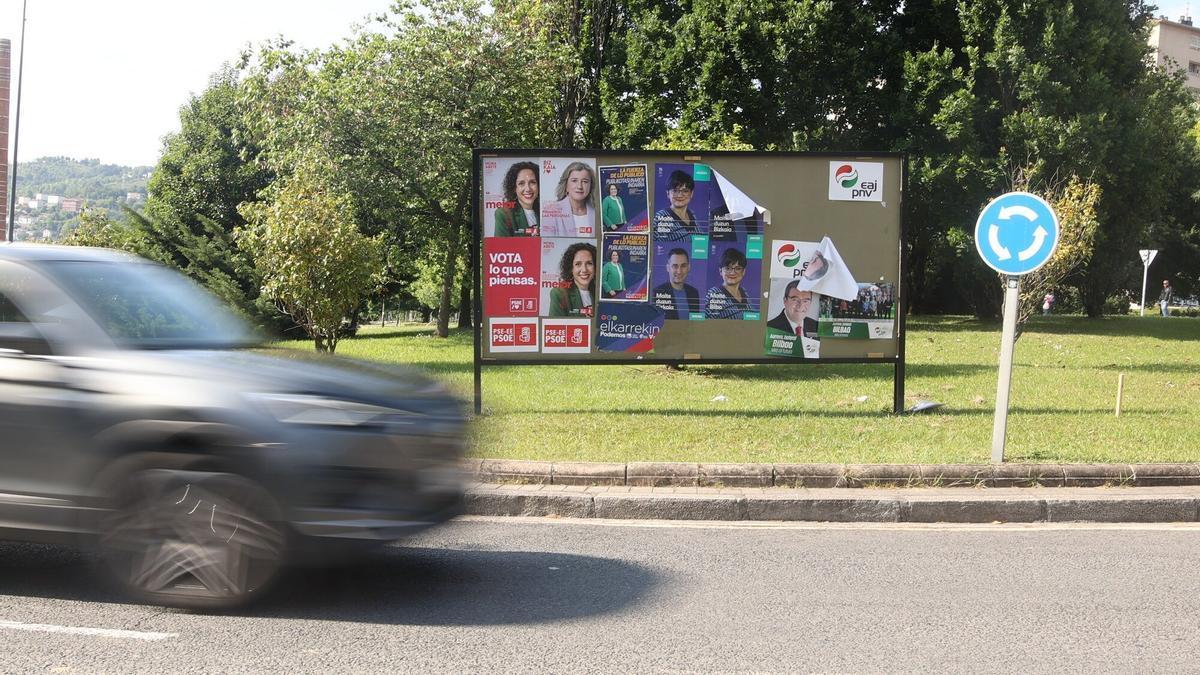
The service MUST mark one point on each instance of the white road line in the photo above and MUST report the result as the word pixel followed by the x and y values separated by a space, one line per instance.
pixel 809 525
pixel 78 630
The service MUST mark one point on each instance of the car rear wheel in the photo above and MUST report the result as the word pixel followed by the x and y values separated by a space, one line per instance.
pixel 193 539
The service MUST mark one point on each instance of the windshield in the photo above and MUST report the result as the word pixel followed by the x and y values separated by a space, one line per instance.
pixel 147 306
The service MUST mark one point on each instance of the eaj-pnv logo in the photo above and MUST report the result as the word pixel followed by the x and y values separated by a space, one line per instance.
pixel 846 176
pixel 788 255
pixel 855 181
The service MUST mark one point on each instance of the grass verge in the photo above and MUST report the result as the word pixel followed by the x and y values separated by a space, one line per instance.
pixel 1063 396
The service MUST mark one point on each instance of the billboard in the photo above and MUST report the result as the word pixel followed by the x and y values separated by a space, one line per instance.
pixel 610 256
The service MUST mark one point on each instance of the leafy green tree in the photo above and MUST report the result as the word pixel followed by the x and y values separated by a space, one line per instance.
pixel 399 111
pixel 313 260
pixel 96 228
pixel 1074 202
pixel 207 169
pixel 791 75
pixel 1061 89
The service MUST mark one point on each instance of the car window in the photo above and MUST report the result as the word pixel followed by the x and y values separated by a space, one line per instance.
pixel 16 331
pixel 143 305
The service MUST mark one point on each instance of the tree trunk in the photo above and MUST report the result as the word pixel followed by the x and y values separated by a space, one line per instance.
pixel 448 274
pixel 465 308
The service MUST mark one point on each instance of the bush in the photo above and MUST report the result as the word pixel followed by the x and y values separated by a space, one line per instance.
pixel 1117 304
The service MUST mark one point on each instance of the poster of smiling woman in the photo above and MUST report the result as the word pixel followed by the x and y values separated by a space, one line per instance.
pixel 569 272
pixel 569 197
pixel 511 197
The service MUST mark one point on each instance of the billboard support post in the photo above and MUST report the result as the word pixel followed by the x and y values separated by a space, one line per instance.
pixel 476 281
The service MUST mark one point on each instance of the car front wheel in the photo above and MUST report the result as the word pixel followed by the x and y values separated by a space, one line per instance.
pixel 193 539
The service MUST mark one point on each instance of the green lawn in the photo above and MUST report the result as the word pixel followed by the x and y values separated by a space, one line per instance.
pixel 1063 395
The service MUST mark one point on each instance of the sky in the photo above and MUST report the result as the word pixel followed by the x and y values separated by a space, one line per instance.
pixel 1173 9
pixel 105 80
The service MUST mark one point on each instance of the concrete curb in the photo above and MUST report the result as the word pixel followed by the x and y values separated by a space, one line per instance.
pixel 868 505
pixel 686 474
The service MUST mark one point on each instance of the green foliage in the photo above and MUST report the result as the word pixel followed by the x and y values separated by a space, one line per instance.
pixel 206 171
pixel 1057 89
pixel 1075 203
pixel 974 92
pixel 791 75
pixel 313 260
pixel 207 168
pixel 1117 305
pixel 398 112
pixel 96 228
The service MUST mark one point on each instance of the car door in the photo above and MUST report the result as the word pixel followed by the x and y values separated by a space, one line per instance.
pixel 45 419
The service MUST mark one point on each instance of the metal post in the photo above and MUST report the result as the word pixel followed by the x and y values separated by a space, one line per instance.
pixel 12 193
pixel 1145 273
pixel 1012 298
pixel 476 281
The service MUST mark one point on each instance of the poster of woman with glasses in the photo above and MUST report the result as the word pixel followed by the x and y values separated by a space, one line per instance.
pixel 680 201
pixel 734 280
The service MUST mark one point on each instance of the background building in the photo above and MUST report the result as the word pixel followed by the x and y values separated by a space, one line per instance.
pixel 1176 45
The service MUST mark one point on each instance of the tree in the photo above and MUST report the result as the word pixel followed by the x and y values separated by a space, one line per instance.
pixel 313 260
pixel 1057 89
pixel 399 112
pixel 96 228
pixel 792 75
pixel 207 169
pixel 1074 202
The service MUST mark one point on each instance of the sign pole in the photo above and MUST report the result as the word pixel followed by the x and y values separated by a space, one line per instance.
pixel 1145 273
pixel 1012 298
pixel 1147 256
pixel 1016 234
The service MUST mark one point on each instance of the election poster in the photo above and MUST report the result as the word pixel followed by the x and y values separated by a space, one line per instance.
pixel 733 215
pixel 818 266
pixel 566 336
pixel 793 328
pixel 511 274
pixel 631 328
pixel 511 197
pixel 855 181
pixel 870 315
pixel 568 277
pixel 680 268
pixel 734 273
pixel 624 276
pixel 680 201
pixel 624 199
pixel 570 201
pixel 511 334
pixel 805 277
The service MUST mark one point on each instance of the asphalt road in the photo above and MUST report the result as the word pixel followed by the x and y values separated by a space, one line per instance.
pixel 526 595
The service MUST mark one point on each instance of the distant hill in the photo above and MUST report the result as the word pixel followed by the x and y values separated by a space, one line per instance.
pixel 105 186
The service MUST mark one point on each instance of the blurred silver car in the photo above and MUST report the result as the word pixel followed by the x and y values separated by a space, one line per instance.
pixel 139 415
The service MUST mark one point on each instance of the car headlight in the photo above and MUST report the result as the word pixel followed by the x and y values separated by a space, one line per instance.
pixel 323 411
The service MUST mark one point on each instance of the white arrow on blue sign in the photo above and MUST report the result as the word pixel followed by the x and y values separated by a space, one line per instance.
pixel 1016 233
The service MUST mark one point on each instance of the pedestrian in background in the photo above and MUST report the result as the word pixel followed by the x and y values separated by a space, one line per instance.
pixel 1048 303
pixel 1165 298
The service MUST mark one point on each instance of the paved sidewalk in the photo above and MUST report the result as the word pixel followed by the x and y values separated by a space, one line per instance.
pixel 868 505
